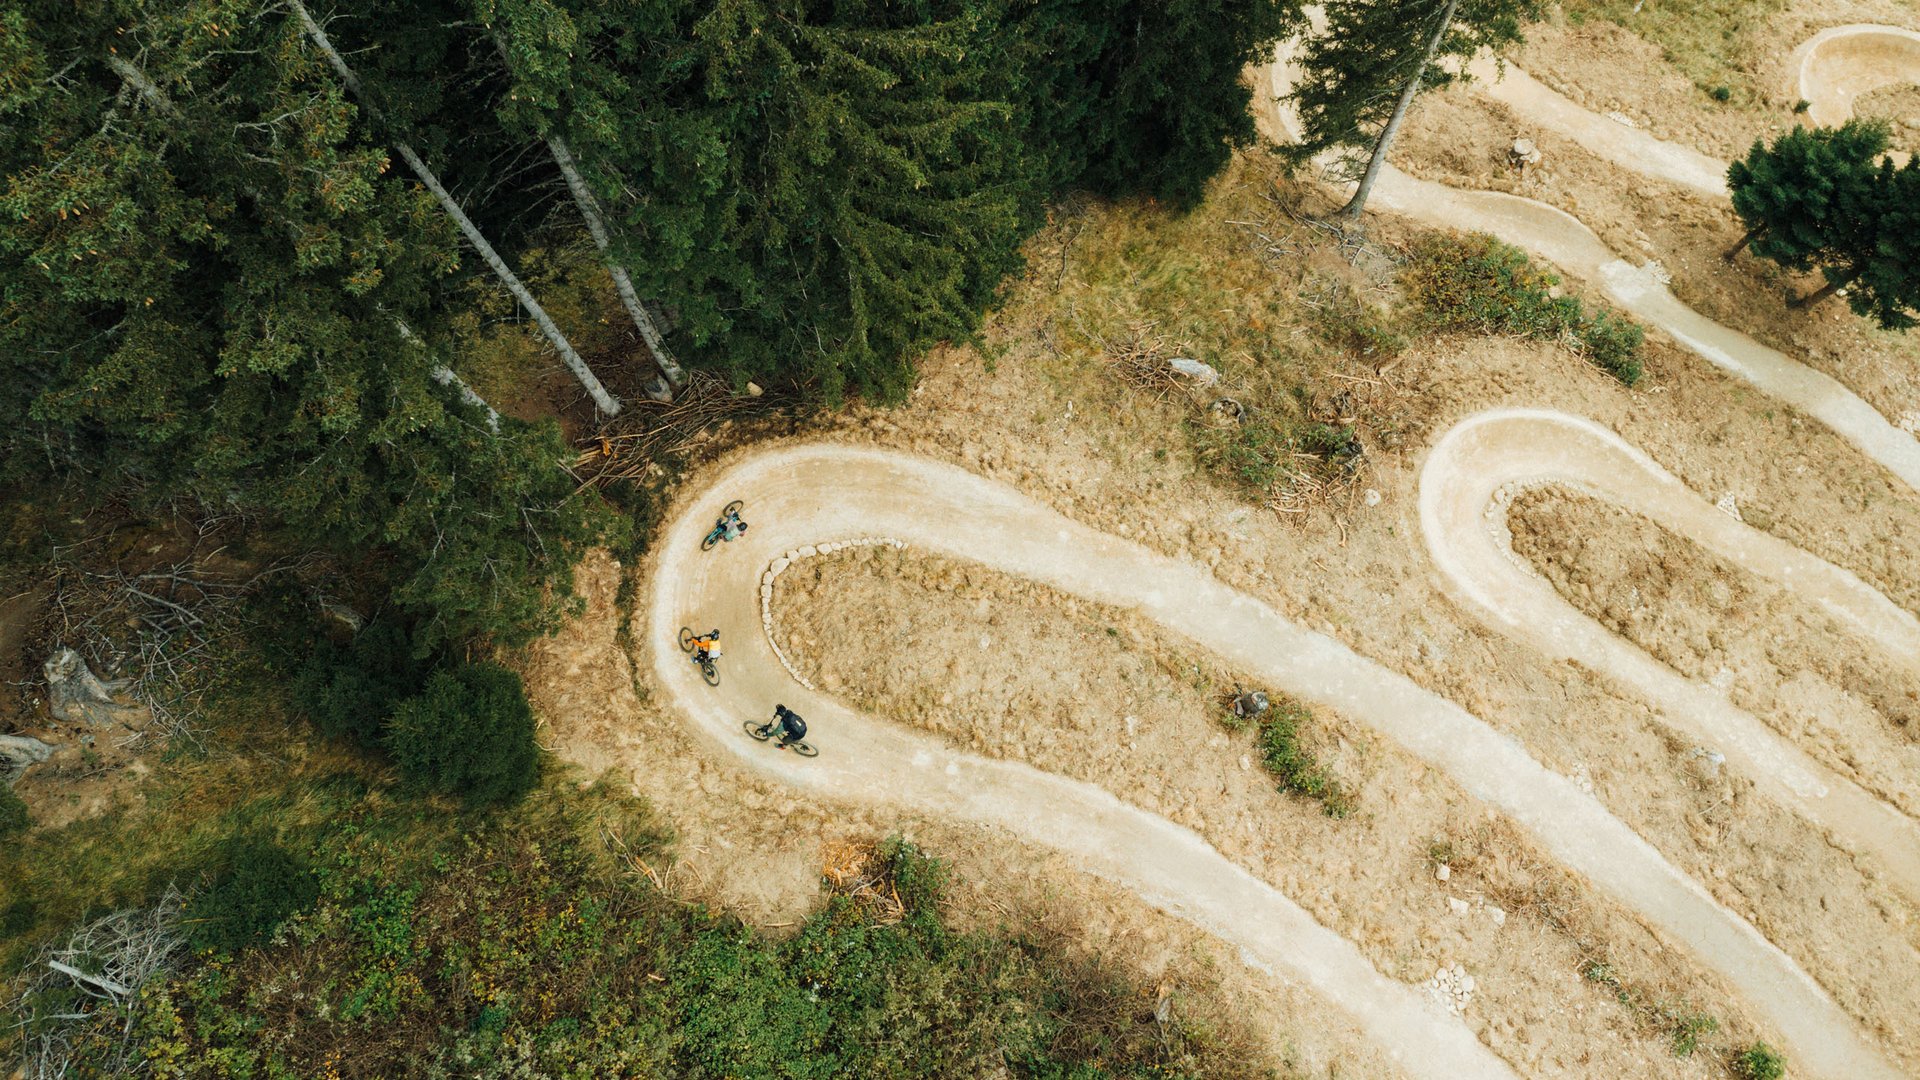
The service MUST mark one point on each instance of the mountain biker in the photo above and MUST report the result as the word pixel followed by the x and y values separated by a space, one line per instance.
pixel 788 725
pixel 731 525
pixel 706 647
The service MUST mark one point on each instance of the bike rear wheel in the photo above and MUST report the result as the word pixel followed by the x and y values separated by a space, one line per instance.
pixel 686 639
pixel 712 539
pixel 710 673
pixel 804 749
pixel 760 732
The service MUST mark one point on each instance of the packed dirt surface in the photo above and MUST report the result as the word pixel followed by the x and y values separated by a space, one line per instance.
pixel 1017 670
pixel 1803 669
pixel 968 691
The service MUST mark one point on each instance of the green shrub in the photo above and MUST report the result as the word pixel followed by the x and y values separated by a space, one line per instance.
pixel 1685 1029
pixel 1249 453
pixel 469 733
pixel 349 692
pixel 257 886
pixel 1722 92
pixel 1760 1062
pixel 14 818
pixel 1473 283
pixel 1292 764
pixel 1614 344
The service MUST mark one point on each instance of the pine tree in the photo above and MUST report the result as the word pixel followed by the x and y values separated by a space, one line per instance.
pixel 1141 97
pixel 213 292
pixel 1792 195
pixel 1880 261
pixel 604 401
pixel 1359 76
pixel 876 182
pixel 537 40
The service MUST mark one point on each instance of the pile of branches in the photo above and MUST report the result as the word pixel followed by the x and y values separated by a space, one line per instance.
pixel 166 629
pixel 857 871
pixel 630 445
pixel 89 989
pixel 1140 361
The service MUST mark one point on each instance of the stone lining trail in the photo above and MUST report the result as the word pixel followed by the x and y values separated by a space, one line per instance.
pixel 785 562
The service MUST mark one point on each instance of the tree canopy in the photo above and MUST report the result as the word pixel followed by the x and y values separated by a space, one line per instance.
pixel 1829 199
pixel 221 289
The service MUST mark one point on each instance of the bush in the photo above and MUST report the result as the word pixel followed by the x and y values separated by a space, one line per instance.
pixel 258 885
pixel 469 733
pixel 1476 284
pixel 1293 765
pixel 349 692
pixel 1614 344
pixel 1760 1062
pixel 14 818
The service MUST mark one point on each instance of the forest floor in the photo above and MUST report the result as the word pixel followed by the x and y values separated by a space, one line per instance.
pixel 1569 979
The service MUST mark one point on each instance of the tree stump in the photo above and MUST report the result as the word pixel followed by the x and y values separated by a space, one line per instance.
pixel 77 696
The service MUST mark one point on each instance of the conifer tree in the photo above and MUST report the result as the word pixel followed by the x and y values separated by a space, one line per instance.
pixel 1794 195
pixel 1361 73
pixel 1879 260
pixel 1140 97
pixel 213 293
pixel 549 60
pixel 604 401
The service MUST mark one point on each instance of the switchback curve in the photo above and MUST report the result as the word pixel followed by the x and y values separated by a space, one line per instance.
pixel 804 495
pixel 1464 487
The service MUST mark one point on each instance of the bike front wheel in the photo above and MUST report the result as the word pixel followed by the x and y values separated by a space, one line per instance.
pixel 686 639
pixel 760 732
pixel 710 673
pixel 732 508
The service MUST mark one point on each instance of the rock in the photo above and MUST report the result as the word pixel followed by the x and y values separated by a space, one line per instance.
pixel 766 578
pixel 807 552
pixel 1204 374
pixel 1458 906
pixel 1372 497
pixel 754 390
pixel 1443 872
pixel 1498 915
pixel 779 566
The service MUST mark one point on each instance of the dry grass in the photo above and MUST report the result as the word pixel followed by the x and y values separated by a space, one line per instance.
pixel 1706 39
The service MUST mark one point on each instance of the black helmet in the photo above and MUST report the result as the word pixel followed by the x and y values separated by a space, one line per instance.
pixel 713 633
pixel 743 526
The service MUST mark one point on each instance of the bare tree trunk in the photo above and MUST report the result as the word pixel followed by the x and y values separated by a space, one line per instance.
pixel 1359 201
pixel 1832 286
pixel 607 403
pixel 597 228
pixel 1752 235
pixel 19 751
pixel 445 376
pixel 442 374
pixel 139 81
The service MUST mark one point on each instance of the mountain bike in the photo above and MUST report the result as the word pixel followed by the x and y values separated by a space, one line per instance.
pixel 762 732
pixel 720 528
pixel 707 669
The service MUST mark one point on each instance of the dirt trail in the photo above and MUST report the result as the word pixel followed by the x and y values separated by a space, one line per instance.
pixel 1836 66
pixel 1629 146
pixel 1561 239
pixel 806 495
pixel 1464 486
